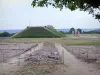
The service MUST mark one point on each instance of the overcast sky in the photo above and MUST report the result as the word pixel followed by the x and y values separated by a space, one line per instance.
pixel 18 14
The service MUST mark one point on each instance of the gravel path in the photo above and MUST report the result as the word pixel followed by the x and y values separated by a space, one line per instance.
pixel 74 66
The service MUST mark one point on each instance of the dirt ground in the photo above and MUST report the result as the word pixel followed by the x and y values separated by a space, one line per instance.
pixel 64 60
pixel 73 65
pixel 48 54
pixel 8 50
pixel 16 62
pixel 90 35
pixel 89 54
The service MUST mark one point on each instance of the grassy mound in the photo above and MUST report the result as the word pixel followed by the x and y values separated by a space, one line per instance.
pixel 56 32
pixel 38 32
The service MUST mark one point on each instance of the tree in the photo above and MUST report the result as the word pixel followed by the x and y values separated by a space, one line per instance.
pixel 50 26
pixel 72 31
pixel 5 34
pixel 92 6
pixel 80 30
pixel 62 32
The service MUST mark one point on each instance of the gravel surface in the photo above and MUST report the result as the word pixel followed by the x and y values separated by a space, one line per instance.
pixel 48 54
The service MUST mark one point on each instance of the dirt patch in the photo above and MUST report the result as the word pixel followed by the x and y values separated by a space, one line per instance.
pixel 40 62
pixel 36 69
pixel 47 59
pixel 90 35
pixel 14 63
pixel 74 66
pixel 48 54
pixel 8 51
pixel 89 54
pixel 39 56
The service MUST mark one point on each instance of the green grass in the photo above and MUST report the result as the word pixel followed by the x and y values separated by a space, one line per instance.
pixel 37 32
pixel 56 32
pixel 81 42
pixel 67 41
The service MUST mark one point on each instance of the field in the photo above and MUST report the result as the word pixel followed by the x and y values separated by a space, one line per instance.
pixel 50 56
pixel 67 40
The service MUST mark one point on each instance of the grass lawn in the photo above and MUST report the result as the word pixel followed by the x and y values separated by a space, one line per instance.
pixel 66 40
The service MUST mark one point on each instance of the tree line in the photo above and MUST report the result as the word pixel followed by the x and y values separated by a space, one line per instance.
pixel 6 34
pixel 73 30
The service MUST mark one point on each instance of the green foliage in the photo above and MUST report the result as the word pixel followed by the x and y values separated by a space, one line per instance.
pixel 80 30
pixel 5 34
pixel 50 26
pixel 63 32
pixel 92 6
pixel 91 32
pixel 71 30
pixel 56 32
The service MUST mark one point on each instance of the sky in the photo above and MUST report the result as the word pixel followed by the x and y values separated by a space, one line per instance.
pixel 18 14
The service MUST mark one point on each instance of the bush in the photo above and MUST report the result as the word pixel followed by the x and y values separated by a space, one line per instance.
pixel 4 34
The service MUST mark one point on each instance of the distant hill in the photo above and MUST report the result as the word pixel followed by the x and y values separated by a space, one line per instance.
pixel 98 30
pixel 38 32
pixel 64 30
pixel 11 31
